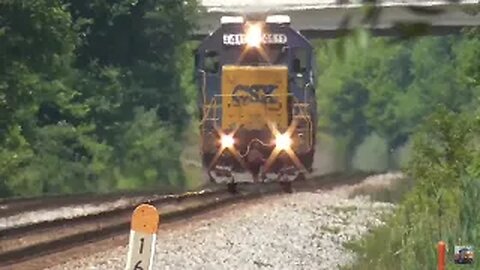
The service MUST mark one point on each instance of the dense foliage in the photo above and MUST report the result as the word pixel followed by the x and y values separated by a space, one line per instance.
pixel 441 206
pixel 444 164
pixel 90 94
pixel 388 89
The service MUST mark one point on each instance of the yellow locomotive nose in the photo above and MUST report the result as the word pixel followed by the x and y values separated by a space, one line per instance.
pixel 253 96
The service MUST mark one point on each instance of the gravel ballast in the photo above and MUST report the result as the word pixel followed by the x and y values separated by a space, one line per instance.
pixel 304 230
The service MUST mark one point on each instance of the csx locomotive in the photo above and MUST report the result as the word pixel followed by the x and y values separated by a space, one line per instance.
pixel 257 101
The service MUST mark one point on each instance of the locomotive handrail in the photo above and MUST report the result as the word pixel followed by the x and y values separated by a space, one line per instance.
pixel 299 110
pixel 204 85
pixel 305 91
pixel 207 108
pixel 304 114
pixel 267 95
pixel 213 101
pixel 307 86
pixel 205 118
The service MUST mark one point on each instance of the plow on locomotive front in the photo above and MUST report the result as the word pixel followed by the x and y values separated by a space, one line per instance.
pixel 257 101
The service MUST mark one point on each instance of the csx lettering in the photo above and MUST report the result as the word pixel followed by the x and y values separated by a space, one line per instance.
pixel 257 93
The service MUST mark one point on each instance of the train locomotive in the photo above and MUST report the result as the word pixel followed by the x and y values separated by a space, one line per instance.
pixel 256 83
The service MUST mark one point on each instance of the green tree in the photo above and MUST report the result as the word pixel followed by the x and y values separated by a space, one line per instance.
pixel 132 58
pixel 342 97
pixel 37 43
pixel 85 86
pixel 148 153
pixel 365 91
pixel 141 39
pixel 438 206
pixel 467 52
pixel 389 107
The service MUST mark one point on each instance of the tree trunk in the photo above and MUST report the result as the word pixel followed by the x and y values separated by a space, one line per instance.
pixel 348 157
pixel 4 190
pixel 391 163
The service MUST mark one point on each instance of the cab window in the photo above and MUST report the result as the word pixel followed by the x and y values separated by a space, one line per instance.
pixel 196 58
pixel 300 61
pixel 212 62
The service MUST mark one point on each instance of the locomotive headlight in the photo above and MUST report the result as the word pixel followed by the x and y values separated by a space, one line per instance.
pixel 283 142
pixel 253 35
pixel 227 141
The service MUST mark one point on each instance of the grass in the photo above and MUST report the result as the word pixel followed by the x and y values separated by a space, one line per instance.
pixel 190 158
pixel 377 250
pixel 193 174
pixel 408 240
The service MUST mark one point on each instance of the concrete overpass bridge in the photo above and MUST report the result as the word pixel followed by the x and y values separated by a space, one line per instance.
pixel 330 18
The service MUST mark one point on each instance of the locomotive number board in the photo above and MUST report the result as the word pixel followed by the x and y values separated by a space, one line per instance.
pixel 267 38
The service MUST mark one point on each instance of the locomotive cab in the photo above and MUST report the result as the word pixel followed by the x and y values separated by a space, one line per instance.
pixel 256 100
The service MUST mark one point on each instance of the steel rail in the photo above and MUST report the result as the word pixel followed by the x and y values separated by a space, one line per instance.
pixel 117 222
pixel 16 231
pixel 16 205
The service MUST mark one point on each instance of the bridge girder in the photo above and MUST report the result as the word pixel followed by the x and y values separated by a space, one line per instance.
pixel 332 22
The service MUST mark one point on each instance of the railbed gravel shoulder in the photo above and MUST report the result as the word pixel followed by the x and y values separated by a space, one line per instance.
pixel 304 230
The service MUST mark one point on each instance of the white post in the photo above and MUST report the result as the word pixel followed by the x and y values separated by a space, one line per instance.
pixel 143 233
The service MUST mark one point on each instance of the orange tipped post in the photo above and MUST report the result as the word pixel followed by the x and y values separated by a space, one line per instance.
pixel 143 232
pixel 441 248
pixel 145 219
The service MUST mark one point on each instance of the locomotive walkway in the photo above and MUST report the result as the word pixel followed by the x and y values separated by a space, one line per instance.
pixel 327 18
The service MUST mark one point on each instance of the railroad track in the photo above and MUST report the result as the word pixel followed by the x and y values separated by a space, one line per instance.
pixel 13 206
pixel 28 242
